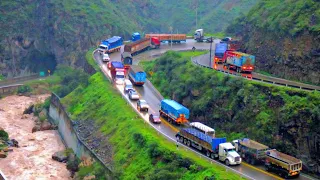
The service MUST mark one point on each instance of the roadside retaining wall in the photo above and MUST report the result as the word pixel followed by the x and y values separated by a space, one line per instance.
pixel 7 90
pixel 18 79
pixel 68 134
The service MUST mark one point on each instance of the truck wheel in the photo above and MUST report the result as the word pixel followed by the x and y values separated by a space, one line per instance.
pixel 181 139
pixel 189 143
pixel 208 153
pixel 227 162
pixel 185 141
pixel 267 168
pixel 253 162
pixel 213 156
pixel 147 109
pixel 178 138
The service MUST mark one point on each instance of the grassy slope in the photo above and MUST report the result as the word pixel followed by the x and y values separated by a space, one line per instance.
pixel 277 116
pixel 139 151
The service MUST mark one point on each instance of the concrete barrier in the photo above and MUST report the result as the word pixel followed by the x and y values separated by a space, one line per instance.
pixel 69 135
pixel 7 90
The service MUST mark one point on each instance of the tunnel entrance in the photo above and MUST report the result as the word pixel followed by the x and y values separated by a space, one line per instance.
pixel 41 62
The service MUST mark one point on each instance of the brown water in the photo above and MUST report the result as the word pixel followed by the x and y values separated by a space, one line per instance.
pixel 33 159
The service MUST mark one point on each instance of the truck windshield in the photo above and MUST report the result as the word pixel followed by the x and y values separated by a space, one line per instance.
pixel 229 150
pixel 120 76
pixel 102 47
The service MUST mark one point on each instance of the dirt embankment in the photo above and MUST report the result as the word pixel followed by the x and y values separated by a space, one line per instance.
pixel 32 160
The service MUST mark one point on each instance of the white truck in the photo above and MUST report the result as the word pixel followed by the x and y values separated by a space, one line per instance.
pixel 199 36
pixel 228 154
pixel 212 147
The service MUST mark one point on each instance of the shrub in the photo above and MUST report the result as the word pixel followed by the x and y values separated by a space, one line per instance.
pixel 4 135
pixel 24 89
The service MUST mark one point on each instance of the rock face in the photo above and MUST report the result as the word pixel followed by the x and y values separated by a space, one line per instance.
pixel 60 156
pixel 284 37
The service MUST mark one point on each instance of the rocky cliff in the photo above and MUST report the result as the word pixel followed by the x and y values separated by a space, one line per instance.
pixel 36 35
pixel 285 37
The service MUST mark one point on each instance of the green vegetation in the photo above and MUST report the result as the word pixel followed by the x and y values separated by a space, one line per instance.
pixel 283 36
pixel 3 135
pixel 293 16
pixel 277 116
pixel 24 89
pixel 138 150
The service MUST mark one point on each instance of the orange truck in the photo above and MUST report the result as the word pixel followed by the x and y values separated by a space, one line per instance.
pixel 175 38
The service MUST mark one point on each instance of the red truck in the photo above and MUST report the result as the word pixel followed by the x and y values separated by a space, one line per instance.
pixel 117 72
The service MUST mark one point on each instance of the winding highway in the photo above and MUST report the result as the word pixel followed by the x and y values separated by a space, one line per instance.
pixel 153 97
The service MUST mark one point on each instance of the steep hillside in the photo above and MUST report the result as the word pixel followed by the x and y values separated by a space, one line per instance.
pixel 285 37
pixel 37 35
pixel 280 117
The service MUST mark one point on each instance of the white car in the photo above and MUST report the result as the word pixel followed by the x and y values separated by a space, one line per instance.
pixel 133 95
pixel 105 58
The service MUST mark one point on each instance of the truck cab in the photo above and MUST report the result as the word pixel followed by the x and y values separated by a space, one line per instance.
pixel 135 37
pixel 198 34
pixel 120 76
pixel 228 154
pixel 102 49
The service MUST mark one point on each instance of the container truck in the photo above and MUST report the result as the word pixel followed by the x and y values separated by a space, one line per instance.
pixel 110 45
pixel 174 112
pixel 250 150
pixel 135 37
pixel 141 45
pixel 117 72
pixel 282 164
pixel 219 52
pixel 137 76
pixel 199 36
pixel 238 61
pixel 175 38
pixel 212 147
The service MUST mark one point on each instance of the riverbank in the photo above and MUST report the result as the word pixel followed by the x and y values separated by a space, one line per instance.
pixel 32 160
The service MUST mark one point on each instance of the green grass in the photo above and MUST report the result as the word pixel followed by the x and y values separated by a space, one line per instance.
pixel 91 61
pixel 139 151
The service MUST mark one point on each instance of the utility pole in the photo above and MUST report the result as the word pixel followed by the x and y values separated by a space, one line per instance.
pixel 197 1
pixel 171 34
pixel 210 51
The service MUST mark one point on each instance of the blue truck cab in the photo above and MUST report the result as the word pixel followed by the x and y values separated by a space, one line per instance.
pixel 112 44
pixel 219 51
pixel 135 37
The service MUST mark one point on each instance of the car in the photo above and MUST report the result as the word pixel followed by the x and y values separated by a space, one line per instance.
pixel 105 57
pixel 133 95
pixel 154 118
pixel 127 86
pixel 142 105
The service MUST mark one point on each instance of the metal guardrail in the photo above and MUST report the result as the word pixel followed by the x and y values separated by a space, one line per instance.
pixel 254 78
pixel 9 89
pixel 18 79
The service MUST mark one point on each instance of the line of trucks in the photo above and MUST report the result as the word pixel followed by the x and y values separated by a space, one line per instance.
pixel 227 52
pixel 203 138
pixel 118 73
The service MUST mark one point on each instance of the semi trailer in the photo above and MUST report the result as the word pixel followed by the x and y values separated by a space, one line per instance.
pixel 174 112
